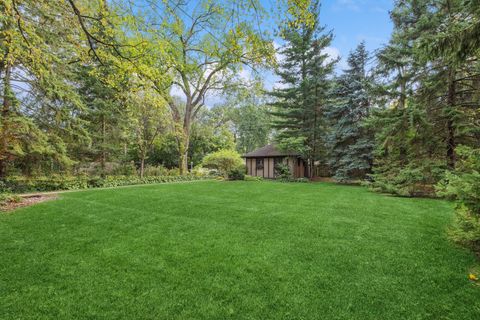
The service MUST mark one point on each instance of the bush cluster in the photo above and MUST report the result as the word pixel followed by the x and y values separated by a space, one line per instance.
pixel 6 197
pixel 225 161
pixel 283 172
pixel 417 179
pixel 160 171
pixel 236 174
pixel 463 185
pixel 54 183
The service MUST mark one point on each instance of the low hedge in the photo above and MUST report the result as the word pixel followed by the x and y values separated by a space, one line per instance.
pixel 41 184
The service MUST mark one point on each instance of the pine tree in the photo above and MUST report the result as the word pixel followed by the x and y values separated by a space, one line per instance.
pixel 104 116
pixel 350 142
pixel 299 107
pixel 38 98
pixel 429 100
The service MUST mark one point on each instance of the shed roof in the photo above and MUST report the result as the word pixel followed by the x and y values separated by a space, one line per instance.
pixel 270 150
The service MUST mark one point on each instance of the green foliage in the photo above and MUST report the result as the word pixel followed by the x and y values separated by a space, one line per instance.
pixel 224 161
pixel 350 142
pixel 459 37
pixel 283 172
pixel 253 178
pixel 210 133
pixel 298 107
pixel 417 178
pixel 124 169
pixel 463 185
pixel 247 114
pixel 425 112
pixel 7 197
pixel 38 50
pixel 236 174
pixel 156 171
pixel 55 183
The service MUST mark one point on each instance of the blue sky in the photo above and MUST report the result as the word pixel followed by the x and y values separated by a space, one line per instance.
pixel 351 21
pixel 356 20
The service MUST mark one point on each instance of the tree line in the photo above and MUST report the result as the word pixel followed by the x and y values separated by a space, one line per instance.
pixel 395 117
pixel 404 119
pixel 98 82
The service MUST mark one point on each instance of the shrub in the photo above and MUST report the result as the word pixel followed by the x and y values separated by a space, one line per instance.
pixel 236 174
pixel 127 169
pixel 283 171
pixel 224 161
pixel 463 185
pixel 6 197
pixel 3 187
pixel 154 171
pixel 23 184
pixel 200 171
pixel 417 178
pixel 157 171
pixel 19 184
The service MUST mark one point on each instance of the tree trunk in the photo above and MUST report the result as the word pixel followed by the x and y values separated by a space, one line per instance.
pixel 7 92
pixel 184 142
pixel 183 162
pixel 104 153
pixel 142 165
pixel 402 106
pixel 451 141
pixel 183 153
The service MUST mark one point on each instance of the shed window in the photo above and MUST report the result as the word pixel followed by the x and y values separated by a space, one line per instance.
pixel 259 163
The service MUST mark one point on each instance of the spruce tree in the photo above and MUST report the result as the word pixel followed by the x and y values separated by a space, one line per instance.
pixel 350 142
pixel 305 73
pixel 429 100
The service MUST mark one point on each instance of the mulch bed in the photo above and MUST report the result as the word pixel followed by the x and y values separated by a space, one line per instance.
pixel 27 201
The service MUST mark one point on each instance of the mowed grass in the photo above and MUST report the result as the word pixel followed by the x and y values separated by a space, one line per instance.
pixel 234 250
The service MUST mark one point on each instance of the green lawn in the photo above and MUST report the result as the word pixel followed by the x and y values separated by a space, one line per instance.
pixel 234 250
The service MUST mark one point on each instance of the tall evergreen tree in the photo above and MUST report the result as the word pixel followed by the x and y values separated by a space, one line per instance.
pixel 350 141
pixel 37 96
pixel 104 116
pixel 305 73
pixel 429 100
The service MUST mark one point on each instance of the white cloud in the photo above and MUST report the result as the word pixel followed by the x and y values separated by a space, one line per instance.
pixel 352 5
pixel 278 56
pixel 332 52
pixel 245 75
pixel 376 6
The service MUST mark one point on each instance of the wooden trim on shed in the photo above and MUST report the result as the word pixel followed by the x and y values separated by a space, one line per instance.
pixel 268 167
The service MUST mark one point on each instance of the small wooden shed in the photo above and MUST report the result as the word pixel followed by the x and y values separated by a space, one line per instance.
pixel 263 162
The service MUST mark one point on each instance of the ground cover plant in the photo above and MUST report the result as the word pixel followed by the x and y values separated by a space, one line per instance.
pixel 234 250
pixel 59 182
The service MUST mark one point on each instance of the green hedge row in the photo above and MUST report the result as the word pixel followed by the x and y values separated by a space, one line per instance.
pixel 24 185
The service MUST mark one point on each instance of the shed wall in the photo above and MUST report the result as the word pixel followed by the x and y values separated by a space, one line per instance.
pixel 297 167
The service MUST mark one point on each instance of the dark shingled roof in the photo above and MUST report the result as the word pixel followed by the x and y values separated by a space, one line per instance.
pixel 269 150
